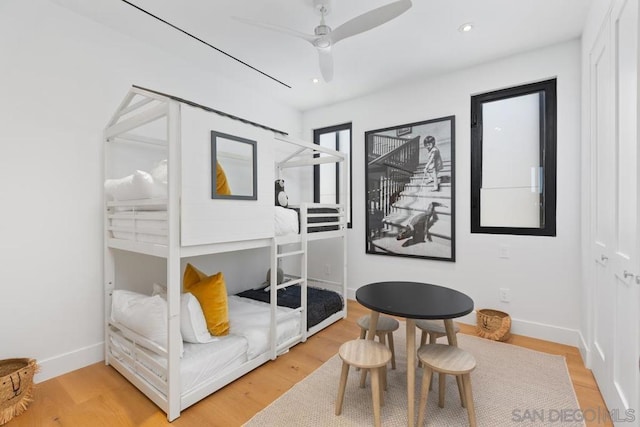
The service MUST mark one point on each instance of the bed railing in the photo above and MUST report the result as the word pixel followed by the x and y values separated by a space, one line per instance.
pixel 315 217
pixel 124 346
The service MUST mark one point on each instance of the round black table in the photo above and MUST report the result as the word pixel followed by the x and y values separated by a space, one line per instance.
pixel 413 300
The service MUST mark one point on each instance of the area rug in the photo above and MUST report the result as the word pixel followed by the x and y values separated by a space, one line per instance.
pixel 511 385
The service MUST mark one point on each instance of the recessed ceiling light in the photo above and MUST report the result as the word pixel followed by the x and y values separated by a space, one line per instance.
pixel 314 80
pixel 465 28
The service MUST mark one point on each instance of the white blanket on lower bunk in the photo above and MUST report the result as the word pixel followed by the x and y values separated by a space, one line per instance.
pixel 249 337
pixel 251 319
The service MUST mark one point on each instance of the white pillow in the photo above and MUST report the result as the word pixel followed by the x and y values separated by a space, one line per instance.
pixel 139 185
pixel 193 325
pixel 143 314
pixel 159 171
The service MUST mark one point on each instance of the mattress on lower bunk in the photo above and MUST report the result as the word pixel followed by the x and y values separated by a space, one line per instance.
pixel 321 303
pixel 248 338
pixel 251 319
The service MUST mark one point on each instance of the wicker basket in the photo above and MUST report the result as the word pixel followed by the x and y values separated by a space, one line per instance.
pixel 16 387
pixel 493 324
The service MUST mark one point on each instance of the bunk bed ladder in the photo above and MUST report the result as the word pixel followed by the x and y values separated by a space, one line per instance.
pixel 278 253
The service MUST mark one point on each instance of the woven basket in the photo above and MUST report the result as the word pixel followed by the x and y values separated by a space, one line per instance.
pixel 16 387
pixel 493 324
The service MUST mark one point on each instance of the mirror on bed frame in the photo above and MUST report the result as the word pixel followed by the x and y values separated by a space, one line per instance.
pixel 233 167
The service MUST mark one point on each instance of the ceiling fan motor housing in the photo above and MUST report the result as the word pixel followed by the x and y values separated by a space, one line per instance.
pixel 322 30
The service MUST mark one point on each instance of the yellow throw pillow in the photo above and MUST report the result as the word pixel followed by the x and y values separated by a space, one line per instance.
pixel 211 293
pixel 192 276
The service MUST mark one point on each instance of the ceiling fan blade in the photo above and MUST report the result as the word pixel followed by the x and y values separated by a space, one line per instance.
pixel 326 63
pixel 308 37
pixel 369 20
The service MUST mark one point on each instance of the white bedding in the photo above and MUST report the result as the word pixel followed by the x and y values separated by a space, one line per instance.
pixel 150 226
pixel 250 319
pixel 286 221
pixel 248 338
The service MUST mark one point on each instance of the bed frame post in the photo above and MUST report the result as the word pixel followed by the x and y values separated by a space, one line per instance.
pixel 174 285
pixel 273 299
pixel 345 208
pixel 108 259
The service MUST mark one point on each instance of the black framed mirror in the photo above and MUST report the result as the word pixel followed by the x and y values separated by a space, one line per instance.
pixel 233 167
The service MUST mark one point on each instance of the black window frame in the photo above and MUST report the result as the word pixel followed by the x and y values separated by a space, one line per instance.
pixel 316 168
pixel 548 157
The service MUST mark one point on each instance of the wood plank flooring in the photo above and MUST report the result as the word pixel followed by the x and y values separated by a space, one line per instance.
pixel 98 396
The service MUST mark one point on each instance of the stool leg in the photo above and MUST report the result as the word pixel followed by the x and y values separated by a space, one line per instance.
pixel 384 377
pixel 471 410
pixel 423 341
pixel 461 390
pixel 424 393
pixel 363 335
pixel 375 394
pixel 441 382
pixel 363 378
pixel 393 351
pixel 382 338
pixel 383 380
pixel 343 384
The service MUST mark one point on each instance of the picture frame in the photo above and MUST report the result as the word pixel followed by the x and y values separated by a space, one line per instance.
pixel 233 167
pixel 410 190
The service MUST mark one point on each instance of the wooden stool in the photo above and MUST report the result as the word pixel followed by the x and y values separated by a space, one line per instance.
pixel 434 329
pixel 384 329
pixel 446 359
pixel 365 354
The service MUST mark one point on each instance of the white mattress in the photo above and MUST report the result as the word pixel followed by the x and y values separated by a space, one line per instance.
pixel 150 226
pixel 203 361
pixel 248 338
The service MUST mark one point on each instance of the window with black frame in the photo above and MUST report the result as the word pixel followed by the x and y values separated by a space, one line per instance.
pixel 513 160
pixel 326 177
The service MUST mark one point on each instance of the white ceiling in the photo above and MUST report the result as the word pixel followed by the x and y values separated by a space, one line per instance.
pixel 422 42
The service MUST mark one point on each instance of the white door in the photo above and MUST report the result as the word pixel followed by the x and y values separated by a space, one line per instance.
pixel 616 246
pixel 602 184
pixel 626 261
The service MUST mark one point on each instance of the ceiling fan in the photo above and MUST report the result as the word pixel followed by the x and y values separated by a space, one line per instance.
pixel 324 37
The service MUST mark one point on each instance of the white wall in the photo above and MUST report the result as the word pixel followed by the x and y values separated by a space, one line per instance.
pixel 62 78
pixel 543 273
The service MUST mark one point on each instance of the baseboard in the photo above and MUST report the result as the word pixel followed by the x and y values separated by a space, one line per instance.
pixel 585 351
pixel 543 331
pixel 531 329
pixel 58 365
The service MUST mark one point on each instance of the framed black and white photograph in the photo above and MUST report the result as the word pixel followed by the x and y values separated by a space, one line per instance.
pixel 410 190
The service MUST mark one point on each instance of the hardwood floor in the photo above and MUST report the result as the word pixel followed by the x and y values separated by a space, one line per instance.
pixel 98 396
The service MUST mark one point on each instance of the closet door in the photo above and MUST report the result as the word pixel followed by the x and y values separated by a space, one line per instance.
pixel 615 245
pixel 603 201
pixel 626 262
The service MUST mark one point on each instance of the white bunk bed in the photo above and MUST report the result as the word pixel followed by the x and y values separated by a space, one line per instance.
pixel 150 126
